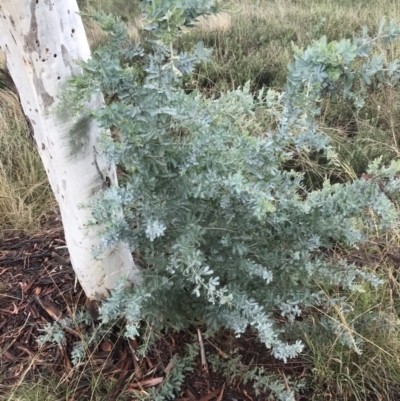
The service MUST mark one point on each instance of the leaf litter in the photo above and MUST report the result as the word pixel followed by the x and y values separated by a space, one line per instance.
pixel 38 287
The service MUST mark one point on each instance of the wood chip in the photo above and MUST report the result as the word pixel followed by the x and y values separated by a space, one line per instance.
pixel 169 367
pixel 51 309
pixel 191 396
pixel 147 383
pixel 107 345
pixel 221 394
pixel 212 395
pixel 10 356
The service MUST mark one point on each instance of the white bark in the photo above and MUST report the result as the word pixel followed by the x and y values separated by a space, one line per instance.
pixel 42 39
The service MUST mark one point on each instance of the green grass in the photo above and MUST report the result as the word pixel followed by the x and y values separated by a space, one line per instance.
pixel 340 373
pixel 36 391
pixel 48 387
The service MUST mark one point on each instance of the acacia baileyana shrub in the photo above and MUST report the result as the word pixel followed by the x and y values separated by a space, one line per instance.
pixel 228 235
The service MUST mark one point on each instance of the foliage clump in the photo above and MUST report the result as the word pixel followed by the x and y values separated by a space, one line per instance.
pixel 226 233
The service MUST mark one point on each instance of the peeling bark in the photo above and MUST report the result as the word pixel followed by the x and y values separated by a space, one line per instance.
pixel 42 40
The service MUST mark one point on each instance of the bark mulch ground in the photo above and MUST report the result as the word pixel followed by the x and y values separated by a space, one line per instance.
pixel 38 287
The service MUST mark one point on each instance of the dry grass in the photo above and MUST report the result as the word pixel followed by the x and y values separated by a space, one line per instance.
pixel 340 373
pixel 255 42
pixel 97 37
pixel 11 112
pixel 339 14
pixel 2 60
pixel 25 194
pixel 128 10
pixel 214 22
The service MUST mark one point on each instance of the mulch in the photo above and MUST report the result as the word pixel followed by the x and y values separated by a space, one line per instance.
pixel 38 287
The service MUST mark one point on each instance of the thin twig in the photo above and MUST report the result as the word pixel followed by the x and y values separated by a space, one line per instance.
pixel 221 394
pixel 202 352
pixel 285 380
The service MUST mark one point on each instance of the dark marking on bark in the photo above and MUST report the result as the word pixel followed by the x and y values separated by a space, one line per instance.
pixel 49 3
pixel 12 21
pixel 79 136
pixel 65 56
pixel 13 38
pixel 43 146
pixel 47 99
pixel 31 39
pixel 96 189
pixel 32 44
pixel 61 25
pixel 106 181
pixel 68 62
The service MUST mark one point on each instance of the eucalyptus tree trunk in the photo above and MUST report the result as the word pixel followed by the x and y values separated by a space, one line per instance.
pixel 42 40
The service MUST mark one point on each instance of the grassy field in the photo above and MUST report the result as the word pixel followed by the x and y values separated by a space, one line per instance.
pixel 252 41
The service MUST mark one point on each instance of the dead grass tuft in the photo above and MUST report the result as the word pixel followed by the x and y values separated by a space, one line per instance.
pixel 214 22
pixel 25 195
pixel 10 111
pixel 2 59
pixel 96 36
